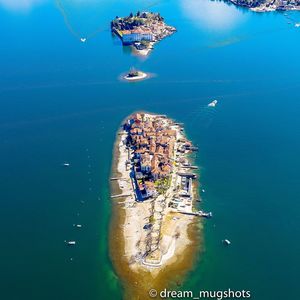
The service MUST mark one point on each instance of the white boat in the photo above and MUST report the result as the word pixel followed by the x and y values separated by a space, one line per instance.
pixel 66 164
pixel 83 40
pixel 226 242
pixel 213 103
pixel 71 243
pixel 297 25
pixel 79 225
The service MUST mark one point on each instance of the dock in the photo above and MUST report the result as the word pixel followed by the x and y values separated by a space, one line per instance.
pixel 120 196
pixel 199 213
pixel 189 167
pixel 187 174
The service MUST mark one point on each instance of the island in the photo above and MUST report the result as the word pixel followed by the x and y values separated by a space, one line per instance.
pixel 141 31
pixel 154 194
pixel 268 5
pixel 135 75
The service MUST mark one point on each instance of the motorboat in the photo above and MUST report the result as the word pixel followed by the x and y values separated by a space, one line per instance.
pixel 83 40
pixel 71 243
pixel 66 164
pixel 213 103
pixel 226 242
pixel 203 214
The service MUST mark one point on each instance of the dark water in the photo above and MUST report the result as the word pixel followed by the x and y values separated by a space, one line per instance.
pixel 61 100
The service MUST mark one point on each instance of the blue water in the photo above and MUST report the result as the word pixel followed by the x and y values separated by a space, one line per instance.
pixel 61 100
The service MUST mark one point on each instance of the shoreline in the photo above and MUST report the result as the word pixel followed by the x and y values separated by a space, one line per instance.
pixel 178 256
pixel 266 7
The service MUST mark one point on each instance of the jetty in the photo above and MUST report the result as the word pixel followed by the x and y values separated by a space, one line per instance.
pixel 120 195
pixel 118 178
pixel 190 167
pixel 187 174
pixel 199 213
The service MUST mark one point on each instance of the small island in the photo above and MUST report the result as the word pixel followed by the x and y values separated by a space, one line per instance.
pixel 141 31
pixel 155 191
pixel 268 5
pixel 135 75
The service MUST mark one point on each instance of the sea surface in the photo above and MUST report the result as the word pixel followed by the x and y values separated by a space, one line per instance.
pixel 61 100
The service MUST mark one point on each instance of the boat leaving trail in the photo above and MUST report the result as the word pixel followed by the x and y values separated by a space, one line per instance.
pixel 226 242
pixel 71 243
pixel 213 103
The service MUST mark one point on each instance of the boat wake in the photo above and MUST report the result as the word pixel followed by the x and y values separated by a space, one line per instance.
pixel 204 114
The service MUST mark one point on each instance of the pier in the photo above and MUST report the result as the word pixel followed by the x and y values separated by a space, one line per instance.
pixel 118 178
pixel 189 167
pixel 120 195
pixel 199 213
pixel 186 174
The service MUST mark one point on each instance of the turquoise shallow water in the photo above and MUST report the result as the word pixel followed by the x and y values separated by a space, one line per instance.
pixel 61 100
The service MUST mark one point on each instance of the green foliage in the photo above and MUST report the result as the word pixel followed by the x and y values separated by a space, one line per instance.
pixel 151 219
pixel 163 184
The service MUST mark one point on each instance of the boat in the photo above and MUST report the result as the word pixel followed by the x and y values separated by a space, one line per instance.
pixel 226 242
pixel 83 40
pixel 207 215
pixel 71 243
pixel 79 225
pixel 203 214
pixel 297 25
pixel 213 103
pixel 66 164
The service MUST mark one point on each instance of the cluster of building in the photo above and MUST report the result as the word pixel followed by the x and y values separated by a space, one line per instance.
pixel 287 5
pixel 269 5
pixel 146 26
pixel 152 140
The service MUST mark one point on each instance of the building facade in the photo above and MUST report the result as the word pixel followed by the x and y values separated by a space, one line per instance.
pixel 130 38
